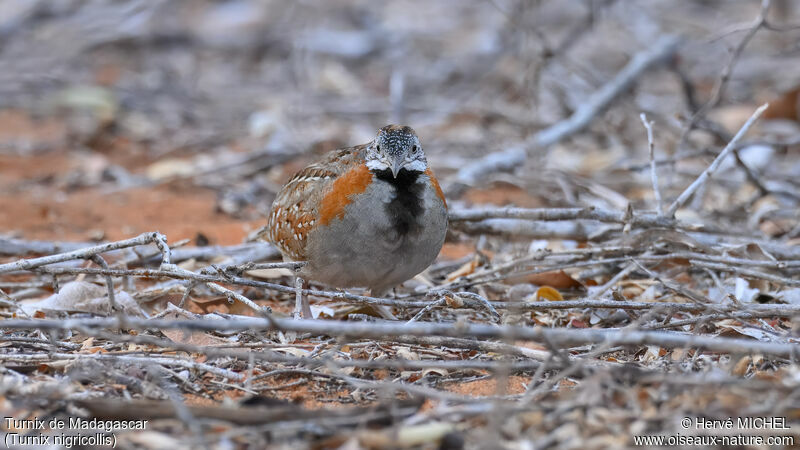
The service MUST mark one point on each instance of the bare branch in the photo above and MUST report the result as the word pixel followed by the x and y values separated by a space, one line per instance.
pixel 664 48
pixel 686 194
pixel 564 337
pixel 722 81
pixel 151 359
pixel 235 295
pixel 653 172
pixel 85 253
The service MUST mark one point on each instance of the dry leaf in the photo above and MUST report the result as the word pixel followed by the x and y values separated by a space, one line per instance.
pixel 557 279
pixel 406 353
pixel 577 323
pixel 82 296
pixel 456 250
pixel 453 302
pixel 440 372
pixel 410 376
pixel 787 106
pixel 466 269
pixel 548 293
pixel 270 274
pixel 755 333
pixel 652 353
pixel 368 310
pixel 320 312
pixel 502 193
pixel 294 351
pixel 192 338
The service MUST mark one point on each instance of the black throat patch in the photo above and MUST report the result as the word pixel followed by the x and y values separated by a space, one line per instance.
pixel 406 206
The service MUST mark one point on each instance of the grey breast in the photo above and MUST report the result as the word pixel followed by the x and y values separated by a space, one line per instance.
pixel 364 248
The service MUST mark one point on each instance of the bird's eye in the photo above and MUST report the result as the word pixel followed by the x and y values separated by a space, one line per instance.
pixel 377 148
pixel 414 149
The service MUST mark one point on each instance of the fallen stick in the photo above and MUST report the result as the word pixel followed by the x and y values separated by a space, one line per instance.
pixel 643 219
pixel 777 310
pixel 561 337
pixel 139 360
pixel 13 247
pixel 86 253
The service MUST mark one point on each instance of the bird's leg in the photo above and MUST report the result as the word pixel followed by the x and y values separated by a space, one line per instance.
pixel 382 310
pixel 301 307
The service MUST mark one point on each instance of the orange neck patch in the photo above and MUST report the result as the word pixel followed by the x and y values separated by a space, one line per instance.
pixel 352 182
pixel 435 183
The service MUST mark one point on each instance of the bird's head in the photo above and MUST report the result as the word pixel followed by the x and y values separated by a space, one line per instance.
pixel 395 148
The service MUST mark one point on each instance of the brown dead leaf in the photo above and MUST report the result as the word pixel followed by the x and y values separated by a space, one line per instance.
pixel 502 193
pixel 632 291
pixel 358 309
pixel 652 353
pixel 557 279
pixel 548 293
pixel 466 269
pixel 192 338
pixel 787 106
pixel 453 302
pixel 577 323
pixel 439 372
pixel 208 305
pixel 746 331
pixel 410 376
pixel 456 250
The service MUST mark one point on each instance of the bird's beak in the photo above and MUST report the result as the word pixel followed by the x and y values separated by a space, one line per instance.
pixel 397 164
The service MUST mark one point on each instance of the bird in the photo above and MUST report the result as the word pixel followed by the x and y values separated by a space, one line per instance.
pixel 370 216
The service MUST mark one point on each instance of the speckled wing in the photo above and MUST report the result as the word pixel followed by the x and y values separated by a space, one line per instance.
pixel 295 211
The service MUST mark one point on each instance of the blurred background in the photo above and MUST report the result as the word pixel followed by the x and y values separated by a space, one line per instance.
pixel 119 117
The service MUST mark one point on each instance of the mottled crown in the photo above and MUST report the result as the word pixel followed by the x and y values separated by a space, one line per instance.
pixel 396 148
pixel 394 139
